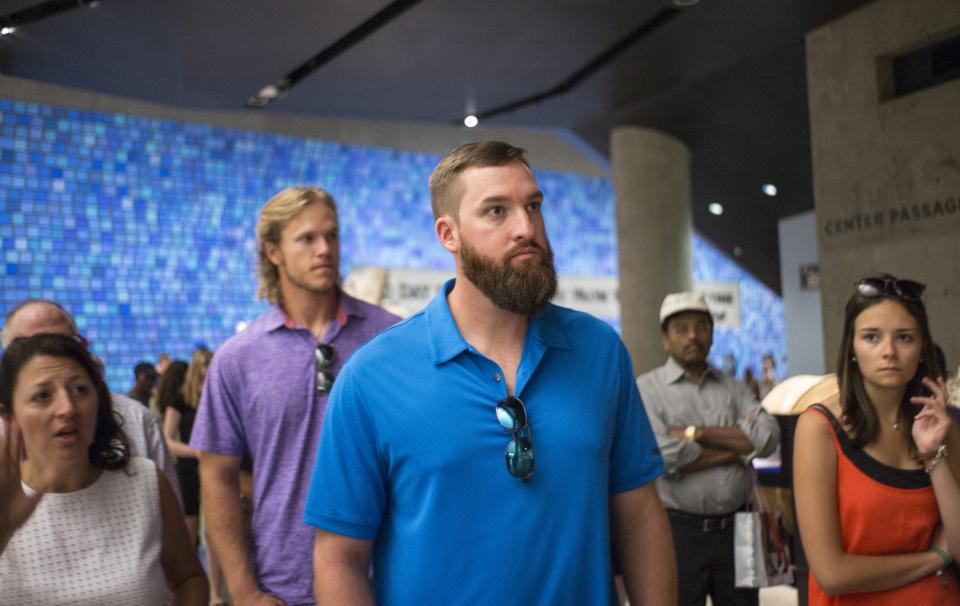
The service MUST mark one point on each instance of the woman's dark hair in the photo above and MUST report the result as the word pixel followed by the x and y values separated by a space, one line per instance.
pixel 110 449
pixel 171 381
pixel 858 411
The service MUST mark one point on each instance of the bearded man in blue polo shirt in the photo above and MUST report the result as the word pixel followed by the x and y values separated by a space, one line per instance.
pixel 484 450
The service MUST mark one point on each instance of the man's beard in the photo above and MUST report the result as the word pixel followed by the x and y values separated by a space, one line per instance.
pixel 523 290
pixel 303 281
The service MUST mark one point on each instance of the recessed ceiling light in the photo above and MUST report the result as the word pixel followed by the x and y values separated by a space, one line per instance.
pixel 7 30
pixel 770 189
pixel 470 121
pixel 715 208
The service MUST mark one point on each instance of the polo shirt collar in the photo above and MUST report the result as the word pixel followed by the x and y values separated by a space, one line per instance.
pixel 347 307
pixel 446 342
pixel 547 328
pixel 674 372
pixel 274 318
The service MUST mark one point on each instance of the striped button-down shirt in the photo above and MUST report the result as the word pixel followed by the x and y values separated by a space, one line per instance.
pixel 674 399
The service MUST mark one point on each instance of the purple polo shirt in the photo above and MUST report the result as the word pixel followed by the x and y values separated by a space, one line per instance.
pixel 260 395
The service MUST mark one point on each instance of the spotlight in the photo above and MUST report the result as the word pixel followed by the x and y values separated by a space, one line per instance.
pixel 715 208
pixel 7 30
pixel 770 189
pixel 470 121
pixel 267 94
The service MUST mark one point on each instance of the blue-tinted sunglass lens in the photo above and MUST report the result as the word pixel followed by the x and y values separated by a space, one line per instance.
pixel 511 415
pixel 506 418
pixel 519 457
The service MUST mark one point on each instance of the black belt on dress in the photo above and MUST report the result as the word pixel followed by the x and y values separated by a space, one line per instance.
pixel 705 524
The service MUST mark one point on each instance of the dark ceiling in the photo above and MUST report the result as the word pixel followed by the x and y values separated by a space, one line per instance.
pixel 726 77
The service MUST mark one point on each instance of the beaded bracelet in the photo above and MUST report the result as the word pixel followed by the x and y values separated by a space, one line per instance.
pixel 939 456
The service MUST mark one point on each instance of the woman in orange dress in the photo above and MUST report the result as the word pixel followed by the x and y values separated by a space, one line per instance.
pixel 878 501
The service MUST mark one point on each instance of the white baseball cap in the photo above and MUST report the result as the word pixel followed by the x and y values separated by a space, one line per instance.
pixel 677 302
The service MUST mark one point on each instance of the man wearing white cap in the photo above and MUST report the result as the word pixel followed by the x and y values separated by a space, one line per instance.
pixel 708 426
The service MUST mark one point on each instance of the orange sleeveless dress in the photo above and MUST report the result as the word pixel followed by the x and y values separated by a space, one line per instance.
pixel 884 511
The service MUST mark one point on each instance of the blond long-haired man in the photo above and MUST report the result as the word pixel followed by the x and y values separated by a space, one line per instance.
pixel 266 394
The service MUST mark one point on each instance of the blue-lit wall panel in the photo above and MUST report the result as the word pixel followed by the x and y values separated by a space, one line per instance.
pixel 143 228
pixel 761 328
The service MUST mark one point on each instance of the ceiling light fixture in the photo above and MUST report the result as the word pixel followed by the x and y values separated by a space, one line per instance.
pixel 770 189
pixel 10 22
pixel 585 71
pixel 267 94
pixel 470 121
pixel 715 208
pixel 362 31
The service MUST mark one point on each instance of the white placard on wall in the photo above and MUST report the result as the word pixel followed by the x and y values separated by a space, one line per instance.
pixel 723 299
pixel 412 289
pixel 407 291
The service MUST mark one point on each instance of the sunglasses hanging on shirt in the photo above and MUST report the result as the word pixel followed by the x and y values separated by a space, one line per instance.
pixel 519 453
pixel 325 377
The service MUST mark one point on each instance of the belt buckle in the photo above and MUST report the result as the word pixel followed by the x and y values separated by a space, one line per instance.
pixel 711 525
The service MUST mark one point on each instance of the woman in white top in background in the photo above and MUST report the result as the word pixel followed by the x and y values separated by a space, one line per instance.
pixel 80 521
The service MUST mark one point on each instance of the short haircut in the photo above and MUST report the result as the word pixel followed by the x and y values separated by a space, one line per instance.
pixel 144 370
pixel 7 336
pixel 274 217
pixel 110 449
pixel 445 188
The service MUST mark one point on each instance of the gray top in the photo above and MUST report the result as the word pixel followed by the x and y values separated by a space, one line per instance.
pixel 674 399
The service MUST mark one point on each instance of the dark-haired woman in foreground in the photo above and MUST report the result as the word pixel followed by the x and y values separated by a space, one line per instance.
pixel 878 502
pixel 82 522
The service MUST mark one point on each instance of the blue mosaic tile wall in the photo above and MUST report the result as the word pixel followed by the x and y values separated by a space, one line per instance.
pixel 761 328
pixel 143 227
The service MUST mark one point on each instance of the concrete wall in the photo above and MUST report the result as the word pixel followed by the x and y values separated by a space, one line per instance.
pixel 546 149
pixel 801 308
pixel 886 171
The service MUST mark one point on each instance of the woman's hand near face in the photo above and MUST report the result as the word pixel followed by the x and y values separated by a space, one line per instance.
pixel 930 429
pixel 15 506
pixel 932 423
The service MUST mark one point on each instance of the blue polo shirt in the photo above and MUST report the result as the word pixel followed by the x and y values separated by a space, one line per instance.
pixel 411 456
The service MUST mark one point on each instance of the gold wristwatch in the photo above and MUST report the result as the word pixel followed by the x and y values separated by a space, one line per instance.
pixel 690 433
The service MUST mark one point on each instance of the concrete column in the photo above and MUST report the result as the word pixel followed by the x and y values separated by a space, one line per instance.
pixel 651 181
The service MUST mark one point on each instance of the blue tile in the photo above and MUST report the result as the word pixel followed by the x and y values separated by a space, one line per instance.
pixel 146 226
